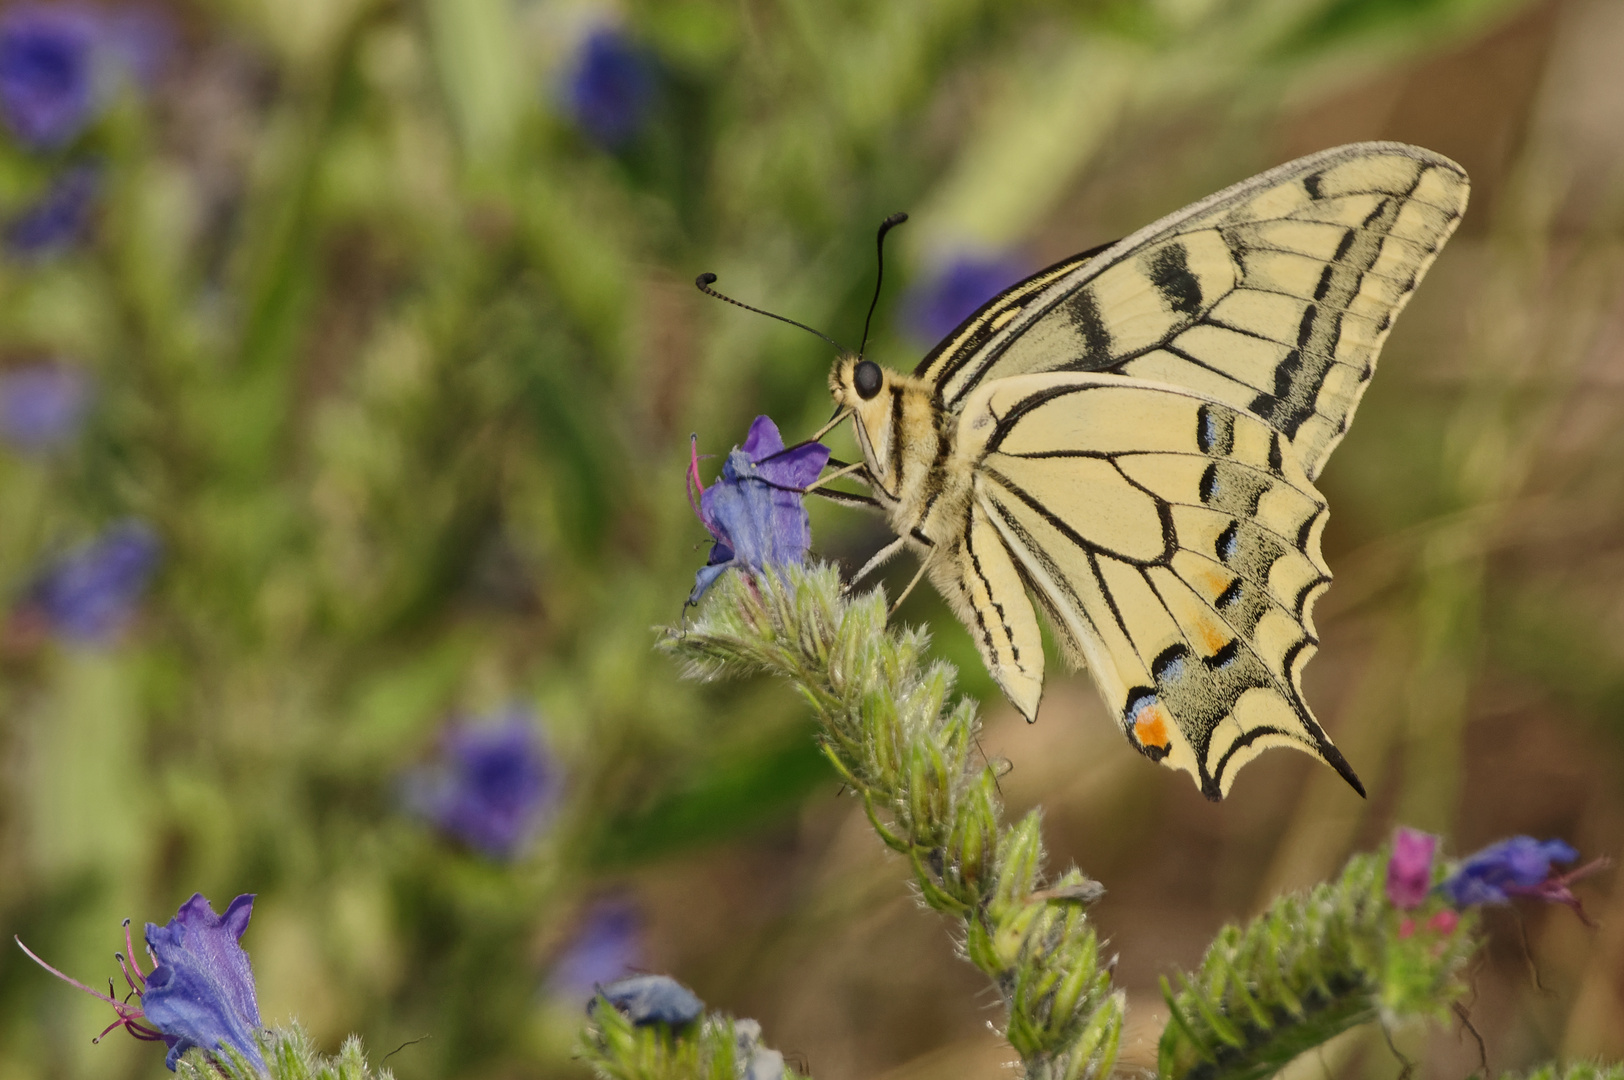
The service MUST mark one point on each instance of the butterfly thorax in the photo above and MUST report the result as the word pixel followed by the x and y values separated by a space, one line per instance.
pixel 905 448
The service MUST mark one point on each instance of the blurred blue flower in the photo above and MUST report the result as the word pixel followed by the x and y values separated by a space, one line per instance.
pixel 754 510
pixel 1409 870
pixel 42 405
pixel 1519 866
pixel 492 786
pixel 652 999
pixel 60 218
pixel 90 593
pixel 608 945
pixel 934 308
pixel 48 87
pixel 202 991
pixel 611 87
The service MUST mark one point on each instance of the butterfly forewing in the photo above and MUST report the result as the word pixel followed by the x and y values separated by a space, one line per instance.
pixel 1175 542
pixel 1273 296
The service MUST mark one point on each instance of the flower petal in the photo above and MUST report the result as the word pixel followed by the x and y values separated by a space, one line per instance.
pixel 763 439
pixel 202 991
pixel 1409 870
pixel 653 999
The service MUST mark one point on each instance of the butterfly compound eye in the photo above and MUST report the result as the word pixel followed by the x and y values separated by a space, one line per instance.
pixel 867 379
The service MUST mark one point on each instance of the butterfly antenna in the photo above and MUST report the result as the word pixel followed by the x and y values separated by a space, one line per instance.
pixel 703 284
pixel 879 275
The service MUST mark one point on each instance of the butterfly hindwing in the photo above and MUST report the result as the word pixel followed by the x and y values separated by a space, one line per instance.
pixel 978 576
pixel 1173 540
pixel 1273 296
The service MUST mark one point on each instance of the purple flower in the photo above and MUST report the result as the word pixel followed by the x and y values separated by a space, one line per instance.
pixel 1409 870
pixel 611 87
pixel 89 594
pixel 608 945
pixel 754 508
pixel 1520 866
pixel 653 999
pixel 934 308
pixel 61 217
pixel 492 787
pixel 48 88
pixel 42 405
pixel 201 991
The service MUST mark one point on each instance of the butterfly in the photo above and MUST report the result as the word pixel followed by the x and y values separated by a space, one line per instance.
pixel 1129 439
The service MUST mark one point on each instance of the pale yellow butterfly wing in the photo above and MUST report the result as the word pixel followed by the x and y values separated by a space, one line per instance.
pixel 1174 541
pixel 986 588
pixel 1273 296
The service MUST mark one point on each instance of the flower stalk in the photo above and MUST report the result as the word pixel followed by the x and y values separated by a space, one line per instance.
pixel 904 746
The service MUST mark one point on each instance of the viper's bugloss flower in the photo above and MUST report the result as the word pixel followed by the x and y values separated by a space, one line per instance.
pixel 61 217
pixel 89 595
pixel 652 999
pixel 491 788
pixel 42 405
pixel 754 510
pixel 201 991
pixel 48 91
pixel 1520 866
pixel 932 309
pixel 611 87
pixel 607 946
pixel 1409 869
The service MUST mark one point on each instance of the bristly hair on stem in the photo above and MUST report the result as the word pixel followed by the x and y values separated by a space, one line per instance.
pixel 894 732
pixel 1307 969
pixel 290 1054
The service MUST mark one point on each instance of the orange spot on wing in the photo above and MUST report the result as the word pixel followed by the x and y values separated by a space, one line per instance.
pixel 1212 637
pixel 1215 582
pixel 1150 727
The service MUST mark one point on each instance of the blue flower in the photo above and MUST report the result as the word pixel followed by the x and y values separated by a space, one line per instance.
pixel 41 406
pixel 201 991
pixel 1514 867
pixel 89 594
pixel 48 88
pixel 1520 866
pixel 935 308
pixel 60 218
pixel 608 945
pixel 492 787
pixel 611 87
pixel 652 999
pixel 754 509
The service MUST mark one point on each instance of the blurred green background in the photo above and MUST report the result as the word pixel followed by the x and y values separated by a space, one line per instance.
pixel 379 316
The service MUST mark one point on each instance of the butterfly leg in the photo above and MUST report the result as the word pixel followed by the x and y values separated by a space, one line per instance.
pixel 924 564
pixel 834 421
pixel 829 478
pixel 881 557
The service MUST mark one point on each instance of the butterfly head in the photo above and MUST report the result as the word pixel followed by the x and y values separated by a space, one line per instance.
pixel 880 403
